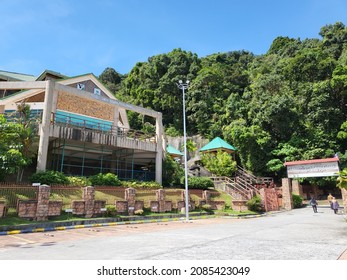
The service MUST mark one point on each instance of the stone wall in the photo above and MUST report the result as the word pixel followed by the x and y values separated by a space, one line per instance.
pixel 54 208
pixel 297 188
pixel 287 199
pixel 78 207
pixel 130 204
pixel 76 104
pixel 269 197
pixel 26 209
pixel 239 205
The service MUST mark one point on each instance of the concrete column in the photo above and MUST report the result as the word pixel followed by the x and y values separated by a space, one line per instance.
pixel 115 120
pixel 88 197
pixel 43 194
pixel 344 199
pixel 130 197
pixel 44 127
pixel 159 154
pixel 297 188
pixel 287 194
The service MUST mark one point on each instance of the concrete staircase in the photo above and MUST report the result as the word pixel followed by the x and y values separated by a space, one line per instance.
pixel 243 186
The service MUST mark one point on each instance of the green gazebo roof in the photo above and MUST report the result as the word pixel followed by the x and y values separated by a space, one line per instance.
pixel 217 144
pixel 173 151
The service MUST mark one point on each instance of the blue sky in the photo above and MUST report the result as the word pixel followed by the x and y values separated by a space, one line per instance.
pixel 77 37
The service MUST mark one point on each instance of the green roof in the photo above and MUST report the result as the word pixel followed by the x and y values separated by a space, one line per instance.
pixel 12 76
pixel 173 151
pixel 216 144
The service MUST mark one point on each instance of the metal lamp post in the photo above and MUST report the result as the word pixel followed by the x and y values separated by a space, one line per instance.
pixel 183 87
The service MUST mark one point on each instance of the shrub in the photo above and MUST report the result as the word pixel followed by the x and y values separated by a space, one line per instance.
pixel 138 212
pixel 108 179
pixel 78 181
pixel 49 178
pixel 297 201
pixel 202 183
pixel 141 185
pixel 111 210
pixel 206 207
pixel 254 204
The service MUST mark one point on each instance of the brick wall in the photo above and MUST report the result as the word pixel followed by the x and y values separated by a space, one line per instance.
pixel 269 198
pixel 54 208
pixel 78 207
pixel 239 205
pixel 26 209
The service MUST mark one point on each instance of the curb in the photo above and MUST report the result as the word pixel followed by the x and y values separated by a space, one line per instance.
pixel 31 229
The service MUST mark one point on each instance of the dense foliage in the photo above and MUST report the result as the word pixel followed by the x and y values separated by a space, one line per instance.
pixel 287 104
pixel 219 164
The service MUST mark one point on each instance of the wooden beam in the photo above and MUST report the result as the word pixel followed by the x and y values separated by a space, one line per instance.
pixel 23 85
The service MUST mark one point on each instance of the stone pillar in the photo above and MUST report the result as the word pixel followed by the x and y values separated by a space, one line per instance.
pixel 344 199
pixel 206 195
pixel 88 197
pixel 2 109
pixel 44 127
pixel 287 194
pixel 43 194
pixel 160 147
pixel 161 196
pixel 130 197
pixel 297 188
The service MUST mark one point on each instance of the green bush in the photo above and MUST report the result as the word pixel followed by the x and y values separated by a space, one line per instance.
pixel 202 183
pixel 108 179
pixel 78 181
pixel 49 178
pixel 138 212
pixel 254 204
pixel 207 207
pixel 141 185
pixel 111 210
pixel 297 201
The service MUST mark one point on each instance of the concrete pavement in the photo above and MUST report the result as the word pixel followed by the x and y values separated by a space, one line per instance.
pixel 299 234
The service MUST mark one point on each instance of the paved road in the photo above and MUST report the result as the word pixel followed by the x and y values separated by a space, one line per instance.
pixel 293 235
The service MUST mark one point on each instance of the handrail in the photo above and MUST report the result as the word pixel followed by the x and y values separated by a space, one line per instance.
pixel 107 127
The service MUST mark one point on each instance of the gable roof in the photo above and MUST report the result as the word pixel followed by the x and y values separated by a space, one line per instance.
pixel 13 76
pixel 217 144
pixel 173 151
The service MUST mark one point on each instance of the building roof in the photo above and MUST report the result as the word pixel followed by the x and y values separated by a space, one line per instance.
pixel 217 144
pixel 12 76
pixel 299 162
pixel 173 151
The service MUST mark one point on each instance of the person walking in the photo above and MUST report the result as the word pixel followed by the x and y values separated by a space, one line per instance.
pixel 335 205
pixel 330 198
pixel 313 203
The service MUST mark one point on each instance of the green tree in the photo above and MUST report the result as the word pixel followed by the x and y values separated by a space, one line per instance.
pixel 220 163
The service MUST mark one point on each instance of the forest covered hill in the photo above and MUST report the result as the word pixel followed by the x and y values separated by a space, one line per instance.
pixel 288 104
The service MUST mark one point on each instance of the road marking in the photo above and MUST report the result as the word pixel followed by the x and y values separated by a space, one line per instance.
pixel 21 238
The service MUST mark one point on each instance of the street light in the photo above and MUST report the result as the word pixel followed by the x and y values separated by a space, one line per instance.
pixel 183 86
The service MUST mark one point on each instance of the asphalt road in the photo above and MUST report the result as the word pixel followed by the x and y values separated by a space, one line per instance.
pixel 299 234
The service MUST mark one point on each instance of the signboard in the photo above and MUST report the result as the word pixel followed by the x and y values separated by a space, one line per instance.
pixel 313 168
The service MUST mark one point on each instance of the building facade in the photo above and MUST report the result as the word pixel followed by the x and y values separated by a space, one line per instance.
pixel 83 128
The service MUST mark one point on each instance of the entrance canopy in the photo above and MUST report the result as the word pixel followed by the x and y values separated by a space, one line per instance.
pixel 313 168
